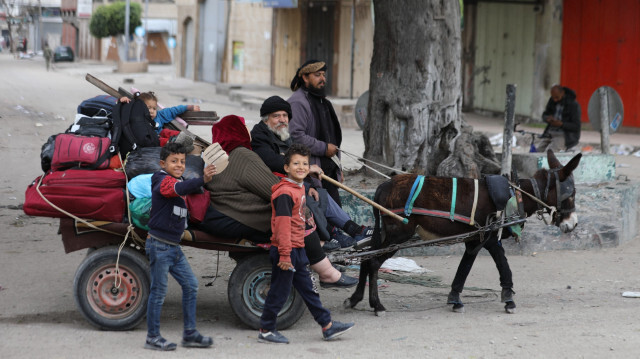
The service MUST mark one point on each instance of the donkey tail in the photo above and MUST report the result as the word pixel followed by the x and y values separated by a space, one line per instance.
pixel 376 239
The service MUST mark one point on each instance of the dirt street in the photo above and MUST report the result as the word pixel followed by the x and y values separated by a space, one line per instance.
pixel 569 303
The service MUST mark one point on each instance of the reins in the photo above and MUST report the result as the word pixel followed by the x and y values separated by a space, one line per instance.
pixel 361 161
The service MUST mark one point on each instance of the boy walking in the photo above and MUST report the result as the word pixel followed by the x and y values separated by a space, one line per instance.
pixel 166 225
pixel 290 263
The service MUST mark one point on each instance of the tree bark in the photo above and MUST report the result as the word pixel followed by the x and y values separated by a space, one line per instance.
pixel 415 94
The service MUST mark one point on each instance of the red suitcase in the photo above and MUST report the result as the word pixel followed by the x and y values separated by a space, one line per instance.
pixel 88 202
pixel 108 178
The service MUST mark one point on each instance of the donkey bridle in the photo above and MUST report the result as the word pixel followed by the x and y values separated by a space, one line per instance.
pixel 564 190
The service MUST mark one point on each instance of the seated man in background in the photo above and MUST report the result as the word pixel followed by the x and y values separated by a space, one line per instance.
pixel 270 139
pixel 562 115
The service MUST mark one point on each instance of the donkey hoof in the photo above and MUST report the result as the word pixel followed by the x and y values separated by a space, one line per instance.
pixel 347 304
pixel 458 308
pixel 381 313
pixel 510 308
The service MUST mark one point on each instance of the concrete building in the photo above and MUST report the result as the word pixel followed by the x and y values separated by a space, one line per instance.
pixel 36 21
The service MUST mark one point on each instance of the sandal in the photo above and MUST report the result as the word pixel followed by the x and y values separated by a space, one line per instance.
pixel 196 340
pixel 159 343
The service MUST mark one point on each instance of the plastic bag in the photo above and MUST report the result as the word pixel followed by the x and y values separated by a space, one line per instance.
pixel 140 210
pixel 146 160
pixel 140 186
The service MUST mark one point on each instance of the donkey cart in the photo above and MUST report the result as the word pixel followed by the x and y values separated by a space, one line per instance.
pixel 111 285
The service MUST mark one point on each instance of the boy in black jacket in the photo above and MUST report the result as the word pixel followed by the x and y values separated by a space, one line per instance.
pixel 167 224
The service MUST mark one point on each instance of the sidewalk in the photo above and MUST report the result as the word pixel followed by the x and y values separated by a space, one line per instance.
pixel 245 100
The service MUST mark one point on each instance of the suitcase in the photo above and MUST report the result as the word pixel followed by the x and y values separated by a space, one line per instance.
pixel 86 178
pixel 88 202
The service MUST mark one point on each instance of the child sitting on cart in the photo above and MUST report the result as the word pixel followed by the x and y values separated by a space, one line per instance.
pixel 164 116
pixel 166 226
pixel 290 265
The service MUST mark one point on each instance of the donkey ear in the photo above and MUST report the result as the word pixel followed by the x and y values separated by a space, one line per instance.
pixel 552 160
pixel 568 169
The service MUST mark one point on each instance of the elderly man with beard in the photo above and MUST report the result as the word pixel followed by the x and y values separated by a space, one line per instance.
pixel 270 139
pixel 315 123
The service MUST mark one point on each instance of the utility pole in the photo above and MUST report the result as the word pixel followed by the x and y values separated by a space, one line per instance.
pixel 39 33
pixel 127 13
pixel 146 22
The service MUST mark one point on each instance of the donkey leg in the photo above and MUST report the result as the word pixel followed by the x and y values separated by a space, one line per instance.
pixel 506 282
pixel 357 296
pixel 374 299
pixel 464 268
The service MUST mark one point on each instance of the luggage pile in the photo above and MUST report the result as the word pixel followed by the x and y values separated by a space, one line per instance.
pixel 83 174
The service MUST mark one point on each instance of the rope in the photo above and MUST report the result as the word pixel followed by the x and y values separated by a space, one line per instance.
pixel 361 160
pixel 369 167
pixel 130 227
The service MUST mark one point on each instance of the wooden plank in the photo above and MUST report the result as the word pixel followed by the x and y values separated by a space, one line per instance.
pixel 174 125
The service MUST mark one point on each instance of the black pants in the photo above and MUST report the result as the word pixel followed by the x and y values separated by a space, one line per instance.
pixel 497 253
pixel 281 283
pixel 219 224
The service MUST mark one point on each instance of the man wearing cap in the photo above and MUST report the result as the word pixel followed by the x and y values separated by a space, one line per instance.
pixel 270 140
pixel 314 122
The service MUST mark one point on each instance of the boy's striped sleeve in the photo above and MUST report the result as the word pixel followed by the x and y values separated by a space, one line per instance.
pixel 283 205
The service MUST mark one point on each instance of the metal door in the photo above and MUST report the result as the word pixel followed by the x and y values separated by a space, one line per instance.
pixel 505 47
pixel 320 23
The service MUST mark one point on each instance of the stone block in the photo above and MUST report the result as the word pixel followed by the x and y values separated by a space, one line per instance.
pixel 133 66
pixel 593 168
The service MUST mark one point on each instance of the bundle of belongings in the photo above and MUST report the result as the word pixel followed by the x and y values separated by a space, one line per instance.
pixel 83 173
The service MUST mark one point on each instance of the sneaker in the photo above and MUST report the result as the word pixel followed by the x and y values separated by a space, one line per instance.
pixel 344 282
pixel 159 343
pixel 331 245
pixel 336 330
pixel 363 237
pixel 344 240
pixel 273 337
pixel 196 340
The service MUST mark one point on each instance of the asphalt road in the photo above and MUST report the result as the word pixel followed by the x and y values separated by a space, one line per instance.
pixel 569 303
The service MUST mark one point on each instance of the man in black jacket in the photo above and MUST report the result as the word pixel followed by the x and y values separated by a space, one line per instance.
pixel 562 115
pixel 270 140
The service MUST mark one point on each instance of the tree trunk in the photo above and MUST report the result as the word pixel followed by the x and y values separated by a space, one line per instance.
pixel 415 96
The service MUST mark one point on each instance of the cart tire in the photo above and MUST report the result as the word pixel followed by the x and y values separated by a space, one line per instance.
pixel 248 287
pixel 93 288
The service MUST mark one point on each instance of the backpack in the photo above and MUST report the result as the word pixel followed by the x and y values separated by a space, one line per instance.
pixel 46 154
pixel 134 126
pixel 73 151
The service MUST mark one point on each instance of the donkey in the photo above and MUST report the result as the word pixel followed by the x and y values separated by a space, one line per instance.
pixel 550 188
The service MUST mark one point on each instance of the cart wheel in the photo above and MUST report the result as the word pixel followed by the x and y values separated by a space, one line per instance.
pixel 248 287
pixel 99 301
